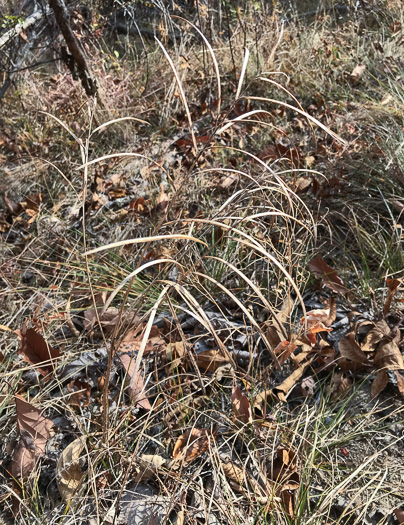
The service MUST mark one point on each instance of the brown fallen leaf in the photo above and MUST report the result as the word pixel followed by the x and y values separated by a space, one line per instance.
pixel 284 350
pixel 283 389
pixel 162 199
pixel 313 329
pixel 175 355
pixel 326 316
pixel 392 285
pixel 399 514
pixel 133 339
pixel 34 430
pixel 148 466
pixel 241 406
pixel 192 443
pixel 210 360
pixel 284 472
pixel 375 335
pixel 350 350
pixel 81 393
pixel 137 392
pixel 108 319
pixel 68 471
pixel 35 350
pixel 302 184
pixel 388 355
pixel 327 275
pixel 236 475
pixel 379 383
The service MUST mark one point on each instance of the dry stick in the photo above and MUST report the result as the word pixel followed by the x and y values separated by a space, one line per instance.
pixel 74 46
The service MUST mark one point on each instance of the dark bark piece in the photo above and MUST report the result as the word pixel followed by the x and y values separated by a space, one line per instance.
pixel 74 46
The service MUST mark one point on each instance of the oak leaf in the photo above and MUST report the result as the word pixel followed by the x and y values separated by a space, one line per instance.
pixel 192 444
pixel 34 430
pixel 36 351
pixel 327 275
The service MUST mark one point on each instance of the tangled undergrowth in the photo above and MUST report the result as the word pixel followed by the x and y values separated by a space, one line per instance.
pixel 174 350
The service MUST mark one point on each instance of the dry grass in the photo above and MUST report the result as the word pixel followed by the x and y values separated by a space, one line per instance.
pixel 224 247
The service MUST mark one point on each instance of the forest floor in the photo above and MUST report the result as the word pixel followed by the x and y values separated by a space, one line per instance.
pixel 206 327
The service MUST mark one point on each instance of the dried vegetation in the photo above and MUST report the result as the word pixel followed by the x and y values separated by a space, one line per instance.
pixel 176 348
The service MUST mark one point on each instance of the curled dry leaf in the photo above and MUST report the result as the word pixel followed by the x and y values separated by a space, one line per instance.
pixel 352 353
pixel 327 275
pixel 379 383
pixel 241 406
pixel 148 466
pixel 210 360
pixel 68 471
pixel 81 393
pixel 134 337
pixel 378 331
pixel 313 329
pixel 326 316
pixel 284 350
pixel 35 350
pixel 192 444
pixel 108 319
pixel 236 475
pixel 137 390
pixel 388 355
pixel 34 430
pixel 283 389
pixel 392 285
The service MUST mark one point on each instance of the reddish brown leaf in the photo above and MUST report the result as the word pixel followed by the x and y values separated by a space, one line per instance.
pixel 313 329
pixel 81 393
pixel 137 384
pixel 374 336
pixel 134 338
pixel 328 276
pixel 326 316
pixel 241 405
pixel 399 513
pixel 349 349
pixel 284 350
pixel 388 355
pixel 210 360
pixel 192 444
pixel 392 285
pixel 34 430
pixel 379 383
pixel 35 350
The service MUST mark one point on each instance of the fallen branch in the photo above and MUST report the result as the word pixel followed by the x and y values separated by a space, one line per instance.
pixel 74 46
